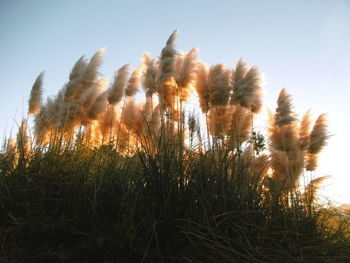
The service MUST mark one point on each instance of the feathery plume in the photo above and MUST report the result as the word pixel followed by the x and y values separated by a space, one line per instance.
pixel 311 162
pixel 133 83
pixel 149 78
pixel 318 139
pixel 304 131
pixel 172 37
pixel 11 154
pixel 88 98
pixel 35 95
pixel 43 124
pixel 167 59
pixel 128 117
pixel 247 90
pixel 286 168
pixel 117 89
pixel 107 121
pixel 239 74
pixel 99 106
pixel 91 71
pixel 185 74
pixel 284 113
pixel 312 188
pixel 217 121
pixel 319 134
pixel 202 87
pixel 73 86
pixel 280 165
pixel 23 140
pixel 167 85
pixel 240 124
pixel 180 57
pixel 218 83
pixel 284 140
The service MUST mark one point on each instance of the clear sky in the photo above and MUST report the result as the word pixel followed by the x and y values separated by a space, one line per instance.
pixel 303 46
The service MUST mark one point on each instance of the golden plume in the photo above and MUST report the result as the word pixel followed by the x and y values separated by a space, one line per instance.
pixel 100 105
pixel 133 83
pixel 117 89
pixel 319 134
pixel 185 73
pixel 167 85
pixel 247 87
pixel 219 85
pixel 88 99
pixel 284 111
pixel 23 143
pixel 149 78
pixel 318 139
pixel 91 71
pixel 304 131
pixel 35 95
pixel 11 154
pixel 73 86
pixel 312 188
pixel 202 86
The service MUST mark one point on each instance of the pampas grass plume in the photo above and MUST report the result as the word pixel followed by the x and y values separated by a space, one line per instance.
pixel 133 83
pixel 117 89
pixel 73 86
pixel 202 86
pixel 312 188
pixel 319 134
pixel 36 95
pixel 218 83
pixel 167 59
pixel 247 88
pixel 91 72
pixel 99 106
pixel 186 73
pixel 284 112
pixel 304 131
pixel 149 78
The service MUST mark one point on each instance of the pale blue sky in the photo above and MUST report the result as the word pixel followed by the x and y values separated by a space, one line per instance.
pixel 300 45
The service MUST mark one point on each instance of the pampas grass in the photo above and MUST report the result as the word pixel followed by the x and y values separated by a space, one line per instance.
pixel 218 84
pixel 304 131
pixel 202 87
pixel 284 111
pixel 317 140
pixel 100 105
pixel 35 97
pixel 312 188
pixel 133 82
pixel 319 134
pixel 185 73
pixel 149 78
pixel 167 85
pixel 247 87
pixel 157 181
pixel 117 89
pixel 73 86
pixel 90 75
